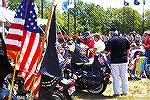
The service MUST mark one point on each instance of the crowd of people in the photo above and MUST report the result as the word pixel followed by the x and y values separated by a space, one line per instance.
pixel 123 51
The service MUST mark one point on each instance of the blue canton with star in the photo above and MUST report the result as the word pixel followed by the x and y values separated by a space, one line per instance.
pixel 29 16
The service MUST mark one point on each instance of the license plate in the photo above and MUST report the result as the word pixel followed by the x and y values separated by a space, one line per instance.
pixel 71 90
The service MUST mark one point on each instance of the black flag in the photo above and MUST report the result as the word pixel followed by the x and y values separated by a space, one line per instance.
pixel 50 63
pixel 126 3
pixel 136 2
pixel 5 67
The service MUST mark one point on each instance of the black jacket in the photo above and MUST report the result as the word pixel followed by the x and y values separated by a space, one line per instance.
pixel 118 46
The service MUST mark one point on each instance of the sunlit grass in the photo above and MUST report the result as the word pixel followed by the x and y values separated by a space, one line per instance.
pixel 137 88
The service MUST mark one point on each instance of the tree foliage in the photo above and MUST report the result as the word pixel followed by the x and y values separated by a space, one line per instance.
pixel 13 4
pixel 98 19
pixel 94 17
pixel 147 19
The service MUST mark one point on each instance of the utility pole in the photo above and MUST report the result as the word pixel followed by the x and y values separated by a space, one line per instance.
pixel 3 23
pixel 75 16
pixel 125 4
pixel 133 20
pixel 42 9
pixel 143 17
pixel 123 20
pixel 68 18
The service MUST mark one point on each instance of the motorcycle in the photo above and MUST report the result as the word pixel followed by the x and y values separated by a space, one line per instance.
pixel 57 88
pixel 92 77
pixel 18 88
pixel 4 92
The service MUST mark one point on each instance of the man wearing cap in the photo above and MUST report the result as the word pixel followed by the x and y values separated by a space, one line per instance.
pixel 118 47
pixel 89 41
pixel 147 50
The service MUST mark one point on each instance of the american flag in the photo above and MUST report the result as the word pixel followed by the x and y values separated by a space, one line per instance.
pixel 24 38
pixel 101 58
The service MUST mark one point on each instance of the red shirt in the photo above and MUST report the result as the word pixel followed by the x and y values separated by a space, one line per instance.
pixel 147 42
pixel 90 44
pixel 147 47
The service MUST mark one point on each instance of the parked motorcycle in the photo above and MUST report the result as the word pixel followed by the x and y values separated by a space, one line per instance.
pixel 91 77
pixel 18 88
pixel 56 88
pixel 4 92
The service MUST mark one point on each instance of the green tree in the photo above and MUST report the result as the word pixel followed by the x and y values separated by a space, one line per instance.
pixel 13 4
pixel 89 16
pixel 147 20
pixel 124 19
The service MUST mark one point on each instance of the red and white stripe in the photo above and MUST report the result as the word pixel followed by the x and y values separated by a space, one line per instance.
pixel 101 60
pixel 28 44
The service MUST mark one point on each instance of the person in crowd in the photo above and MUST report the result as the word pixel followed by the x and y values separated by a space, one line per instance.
pixel 134 49
pixel 130 37
pixel 89 41
pixel 137 62
pixel 78 54
pixel 99 44
pixel 134 34
pixel 147 51
pixel 138 39
pixel 105 37
pixel 118 47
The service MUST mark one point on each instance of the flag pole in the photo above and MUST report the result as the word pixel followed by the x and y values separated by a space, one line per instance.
pixel 14 73
pixel 42 9
pixel 75 5
pixel 143 17
pixel 68 18
pixel 3 25
pixel 123 17
pixel 43 41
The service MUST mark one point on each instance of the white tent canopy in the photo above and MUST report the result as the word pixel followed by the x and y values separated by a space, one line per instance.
pixel 6 14
pixel 42 21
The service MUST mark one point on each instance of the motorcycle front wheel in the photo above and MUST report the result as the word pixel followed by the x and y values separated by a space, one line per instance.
pixel 97 89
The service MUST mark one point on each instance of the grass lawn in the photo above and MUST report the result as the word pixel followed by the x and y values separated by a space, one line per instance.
pixel 138 90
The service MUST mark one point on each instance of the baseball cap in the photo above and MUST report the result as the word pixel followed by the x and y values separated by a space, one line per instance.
pixel 87 34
